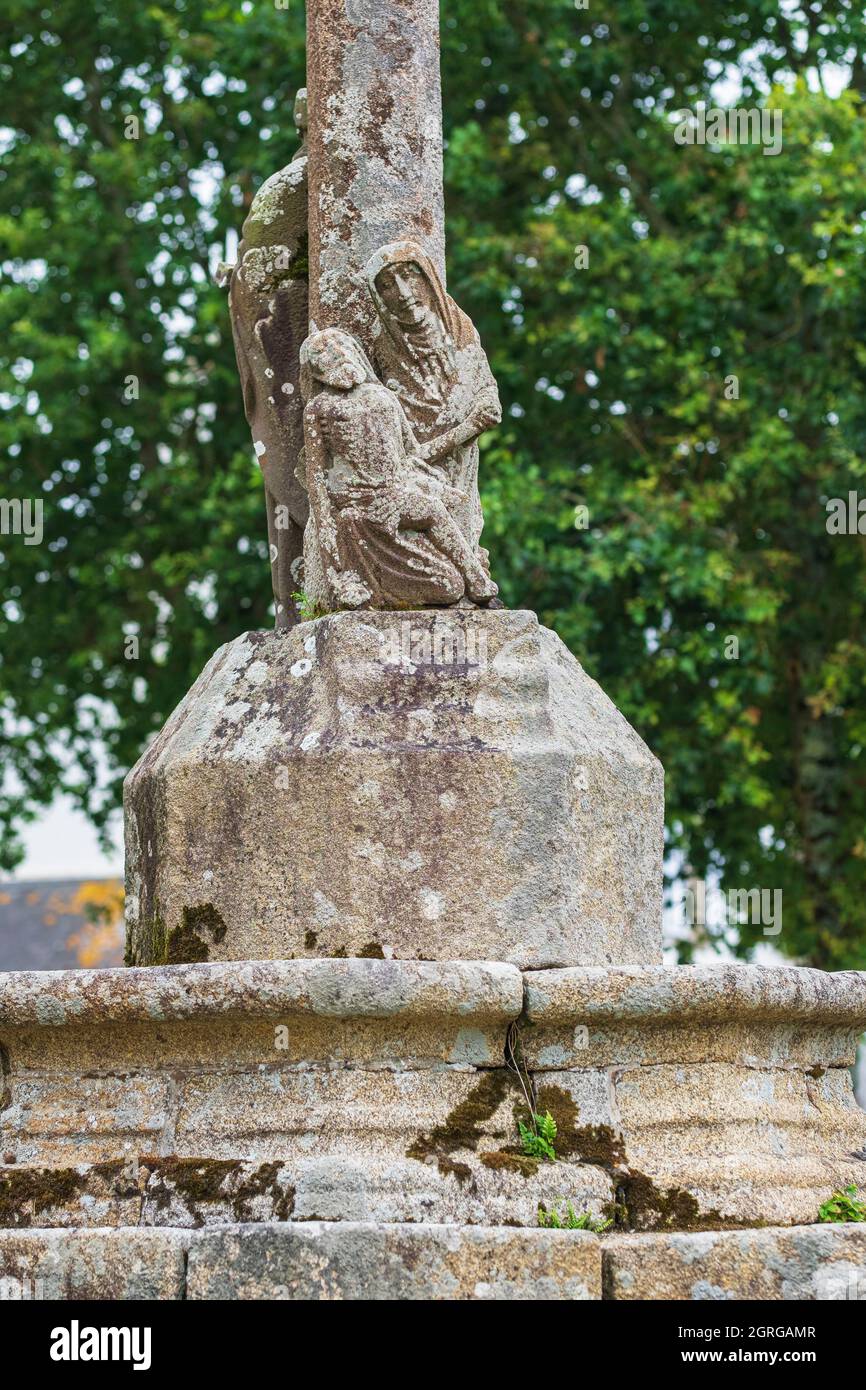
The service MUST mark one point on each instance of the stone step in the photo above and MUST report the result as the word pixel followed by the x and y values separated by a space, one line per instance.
pixel 320 1261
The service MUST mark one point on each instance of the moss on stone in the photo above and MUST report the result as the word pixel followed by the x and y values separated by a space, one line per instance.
pixel 205 1182
pixel 372 951
pixel 510 1161
pixel 640 1204
pixel 264 1183
pixel 186 943
pixel 463 1127
pixel 5 1079
pixel 643 1206
pixel 197 1181
pixel 25 1192
pixel 150 946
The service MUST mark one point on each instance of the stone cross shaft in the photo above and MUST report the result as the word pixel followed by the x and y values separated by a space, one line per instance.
pixel 375 147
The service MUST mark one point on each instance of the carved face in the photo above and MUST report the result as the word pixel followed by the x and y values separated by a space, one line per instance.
pixel 333 359
pixel 405 291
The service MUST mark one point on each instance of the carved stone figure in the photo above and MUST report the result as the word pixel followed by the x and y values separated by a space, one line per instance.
pixel 381 533
pixel 429 352
pixel 268 297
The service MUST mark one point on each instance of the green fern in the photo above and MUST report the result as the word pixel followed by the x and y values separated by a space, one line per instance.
pixel 552 1220
pixel 305 605
pixel 537 1139
pixel 843 1206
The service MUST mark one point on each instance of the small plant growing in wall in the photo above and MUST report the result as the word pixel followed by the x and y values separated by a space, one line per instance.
pixel 572 1221
pixel 843 1206
pixel 537 1137
pixel 306 606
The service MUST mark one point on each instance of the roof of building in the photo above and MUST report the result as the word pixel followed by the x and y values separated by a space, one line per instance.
pixel 61 924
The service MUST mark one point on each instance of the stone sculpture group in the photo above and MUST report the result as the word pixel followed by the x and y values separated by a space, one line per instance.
pixel 371 491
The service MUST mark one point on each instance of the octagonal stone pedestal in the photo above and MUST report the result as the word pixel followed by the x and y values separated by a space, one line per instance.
pixel 425 785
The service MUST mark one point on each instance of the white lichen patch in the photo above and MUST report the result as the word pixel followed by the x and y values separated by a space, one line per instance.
pixel 255 740
pixel 432 904
pixel 236 711
pixel 324 911
pixel 373 854
pixel 269 204
pixel 301 668
pixel 310 740
pixel 257 673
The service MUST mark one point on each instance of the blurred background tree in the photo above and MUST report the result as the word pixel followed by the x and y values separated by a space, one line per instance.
pixel 678 333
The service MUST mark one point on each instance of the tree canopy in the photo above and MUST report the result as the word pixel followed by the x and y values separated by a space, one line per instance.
pixel 678 334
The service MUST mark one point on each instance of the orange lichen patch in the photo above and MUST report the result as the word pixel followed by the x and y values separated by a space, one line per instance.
pixel 100 940
pixel 33 897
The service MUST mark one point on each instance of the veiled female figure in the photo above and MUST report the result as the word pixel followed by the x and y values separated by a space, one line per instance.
pixel 429 353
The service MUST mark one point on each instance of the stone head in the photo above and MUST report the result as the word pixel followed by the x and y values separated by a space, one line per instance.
pixel 405 291
pixel 336 359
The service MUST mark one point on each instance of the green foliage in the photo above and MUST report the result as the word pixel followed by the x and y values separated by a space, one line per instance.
pixel 706 511
pixel 572 1221
pixel 538 1136
pixel 305 605
pixel 843 1206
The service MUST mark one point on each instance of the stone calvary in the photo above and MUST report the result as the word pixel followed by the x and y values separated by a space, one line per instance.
pixel 394 869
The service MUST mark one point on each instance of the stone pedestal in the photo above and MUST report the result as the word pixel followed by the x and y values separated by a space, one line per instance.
pixel 423 785
pixel 365 1090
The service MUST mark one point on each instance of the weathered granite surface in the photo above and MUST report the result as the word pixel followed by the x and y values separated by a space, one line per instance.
pixel 379 1090
pixel 92 1265
pixel 374 1262
pixel 375 146
pixel 338 1090
pixel 713 1095
pixel 268 298
pixel 355 1183
pixel 368 1260
pixel 728 1012
pixel 441 786
pixel 813 1263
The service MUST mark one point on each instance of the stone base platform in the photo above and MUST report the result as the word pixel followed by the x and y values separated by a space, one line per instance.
pixel 697 1098
pixel 321 1261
